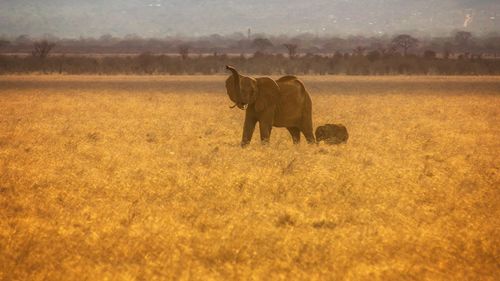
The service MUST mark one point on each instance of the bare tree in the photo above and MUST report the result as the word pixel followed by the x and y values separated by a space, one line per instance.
pixel 184 51
pixel 41 49
pixel 292 49
pixel 405 42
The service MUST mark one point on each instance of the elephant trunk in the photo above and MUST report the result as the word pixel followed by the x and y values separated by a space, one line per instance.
pixel 237 89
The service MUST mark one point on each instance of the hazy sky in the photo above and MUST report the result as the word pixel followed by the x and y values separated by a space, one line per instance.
pixel 159 18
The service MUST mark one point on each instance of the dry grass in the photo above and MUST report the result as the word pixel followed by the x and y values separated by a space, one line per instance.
pixel 142 178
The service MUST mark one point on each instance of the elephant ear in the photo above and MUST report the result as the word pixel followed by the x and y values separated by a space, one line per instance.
pixel 268 93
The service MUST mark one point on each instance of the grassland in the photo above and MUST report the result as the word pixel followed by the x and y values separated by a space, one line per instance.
pixel 142 178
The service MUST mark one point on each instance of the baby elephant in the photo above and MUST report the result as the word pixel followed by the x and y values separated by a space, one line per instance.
pixel 332 133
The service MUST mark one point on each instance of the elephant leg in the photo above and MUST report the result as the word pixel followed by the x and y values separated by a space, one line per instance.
pixel 295 132
pixel 307 130
pixel 266 125
pixel 308 133
pixel 248 128
pixel 265 131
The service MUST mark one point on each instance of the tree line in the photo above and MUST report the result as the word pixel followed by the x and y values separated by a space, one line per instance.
pixel 402 54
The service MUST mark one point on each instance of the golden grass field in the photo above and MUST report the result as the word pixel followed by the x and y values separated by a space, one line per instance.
pixel 143 178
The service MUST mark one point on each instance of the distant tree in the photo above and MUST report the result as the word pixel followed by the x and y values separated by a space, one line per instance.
pixel 41 49
pixel 107 39
pixel 334 44
pixel 429 54
pixel 359 51
pixel 337 56
pixel 4 43
pixel 155 45
pixel 462 39
pixel 389 51
pixel 132 36
pixel 492 44
pixel 261 44
pixel 184 51
pixel 405 42
pixel 292 49
pixel 373 55
pixel 23 40
pixel 447 50
pixel 145 62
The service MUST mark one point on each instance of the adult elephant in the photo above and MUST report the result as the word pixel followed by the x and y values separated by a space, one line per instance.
pixel 281 103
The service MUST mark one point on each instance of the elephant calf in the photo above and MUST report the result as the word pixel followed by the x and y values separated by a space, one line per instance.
pixel 332 133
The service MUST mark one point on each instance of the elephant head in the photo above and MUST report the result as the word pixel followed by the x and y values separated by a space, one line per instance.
pixel 244 90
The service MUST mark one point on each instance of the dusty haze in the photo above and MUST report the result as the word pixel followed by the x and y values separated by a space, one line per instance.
pixel 158 18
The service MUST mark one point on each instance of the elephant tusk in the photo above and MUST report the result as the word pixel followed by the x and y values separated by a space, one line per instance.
pixel 244 107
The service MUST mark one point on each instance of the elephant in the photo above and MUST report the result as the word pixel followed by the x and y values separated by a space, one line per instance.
pixel 332 133
pixel 281 103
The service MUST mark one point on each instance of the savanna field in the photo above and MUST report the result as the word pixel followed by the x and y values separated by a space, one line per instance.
pixel 143 178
